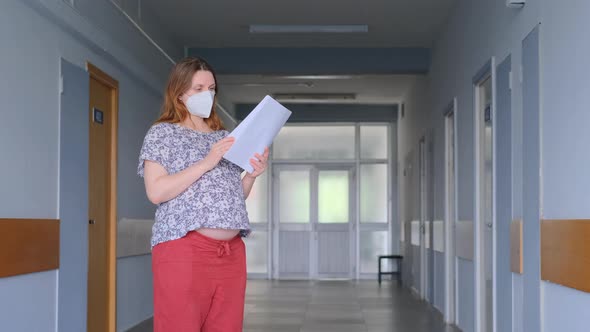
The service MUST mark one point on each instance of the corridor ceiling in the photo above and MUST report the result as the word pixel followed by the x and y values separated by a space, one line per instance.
pixel 225 23
pixel 369 89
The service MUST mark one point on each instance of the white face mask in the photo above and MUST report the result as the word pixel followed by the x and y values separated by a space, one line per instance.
pixel 200 104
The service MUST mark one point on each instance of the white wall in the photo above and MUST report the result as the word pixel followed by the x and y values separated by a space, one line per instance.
pixel 565 90
pixel 517 303
pixel 564 132
pixel 476 31
pixel 134 291
pixel 28 302
pixel 408 176
pixel 35 34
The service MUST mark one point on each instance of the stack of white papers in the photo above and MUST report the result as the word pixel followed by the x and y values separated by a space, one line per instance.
pixel 257 132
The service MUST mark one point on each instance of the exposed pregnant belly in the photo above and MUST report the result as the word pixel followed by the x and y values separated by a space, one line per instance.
pixel 219 234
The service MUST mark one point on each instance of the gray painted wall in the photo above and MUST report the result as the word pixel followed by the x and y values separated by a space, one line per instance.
pixel 416 269
pixel 73 202
pixel 409 132
pixel 476 31
pixel 531 183
pixel 517 303
pixel 503 127
pixel 316 61
pixel 105 16
pixel 35 36
pixel 565 137
pixel 134 280
pixel 466 300
pixel 134 290
pixel 28 302
pixel 439 280
pixel 27 68
pixel 396 225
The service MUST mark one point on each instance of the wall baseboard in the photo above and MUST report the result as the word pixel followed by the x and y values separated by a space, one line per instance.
pixel 146 325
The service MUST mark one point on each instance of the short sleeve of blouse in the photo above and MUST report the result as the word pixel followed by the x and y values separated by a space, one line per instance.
pixel 155 147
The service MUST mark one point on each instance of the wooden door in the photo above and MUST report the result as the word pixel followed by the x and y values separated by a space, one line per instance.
pixel 102 201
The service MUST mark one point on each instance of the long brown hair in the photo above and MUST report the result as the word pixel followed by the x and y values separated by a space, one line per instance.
pixel 180 80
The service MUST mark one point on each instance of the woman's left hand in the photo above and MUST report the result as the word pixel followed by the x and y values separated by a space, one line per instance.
pixel 260 162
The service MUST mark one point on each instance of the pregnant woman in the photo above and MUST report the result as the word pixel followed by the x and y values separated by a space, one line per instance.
pixel 198 256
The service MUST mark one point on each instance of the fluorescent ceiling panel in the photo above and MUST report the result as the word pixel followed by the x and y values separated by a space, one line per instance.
pixel 262 28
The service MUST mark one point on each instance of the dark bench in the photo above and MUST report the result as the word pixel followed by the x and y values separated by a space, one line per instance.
pixel 397 258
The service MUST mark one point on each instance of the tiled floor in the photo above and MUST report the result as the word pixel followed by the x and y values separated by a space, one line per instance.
pixel 326 306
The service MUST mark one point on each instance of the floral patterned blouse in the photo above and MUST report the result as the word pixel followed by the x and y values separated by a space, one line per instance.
pixel 215 200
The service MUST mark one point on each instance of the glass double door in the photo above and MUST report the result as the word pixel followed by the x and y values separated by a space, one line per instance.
pixel 313 224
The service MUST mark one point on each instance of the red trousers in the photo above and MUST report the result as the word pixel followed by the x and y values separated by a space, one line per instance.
pixel 199 284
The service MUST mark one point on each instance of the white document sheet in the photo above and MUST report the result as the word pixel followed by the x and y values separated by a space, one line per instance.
pixel 256 132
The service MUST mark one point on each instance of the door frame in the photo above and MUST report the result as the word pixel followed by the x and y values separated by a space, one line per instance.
pixel 451 297
pixel 426 213
pixel 351 229
pixel 358 227
pixel 422 213
pixel 431 253
pixel 276 222
pixel 313 227
pixel 487 71
pixel 504 194
pixel 101 76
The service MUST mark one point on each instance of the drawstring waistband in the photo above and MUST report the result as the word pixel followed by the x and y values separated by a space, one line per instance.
pixel 223 249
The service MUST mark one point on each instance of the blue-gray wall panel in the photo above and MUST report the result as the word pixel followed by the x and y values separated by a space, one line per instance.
pixel 503 195
pixel 430 276
pixel 416 268
pixel 27 302
pixel 439 281
pixel 531 182
pixel 134 290
pixel 517 302
pixel 565 137
pixel 29 125
pixel 316 61
pixel 73 203
pixel 568 306
pixel 466 295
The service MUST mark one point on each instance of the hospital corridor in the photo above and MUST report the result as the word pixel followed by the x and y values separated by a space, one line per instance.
pixel 426 166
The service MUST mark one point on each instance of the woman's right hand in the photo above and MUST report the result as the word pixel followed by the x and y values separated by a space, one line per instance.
pixel 217 151
pixel 162 187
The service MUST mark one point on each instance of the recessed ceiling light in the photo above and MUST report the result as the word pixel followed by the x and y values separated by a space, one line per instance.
pixel 264 28
pixel 319 77
pixel 258 84
pixel 314 96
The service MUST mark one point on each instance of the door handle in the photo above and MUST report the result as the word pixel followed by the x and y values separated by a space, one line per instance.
pixel 91 221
